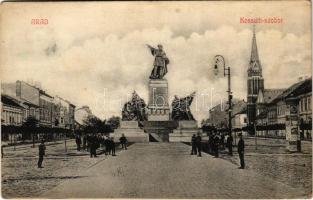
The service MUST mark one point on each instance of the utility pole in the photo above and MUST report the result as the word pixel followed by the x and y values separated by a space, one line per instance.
pixel 219 60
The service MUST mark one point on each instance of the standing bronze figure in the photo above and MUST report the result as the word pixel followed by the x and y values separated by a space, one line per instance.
pixel 160 62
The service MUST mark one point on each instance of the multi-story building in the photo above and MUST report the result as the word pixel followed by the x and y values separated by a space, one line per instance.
pixel 45 109
pixel 71 116
pixel 267 112
pixel 11 111
pixel 273 110
pixel 27 96
pixel 63 113
pixel 218 115
pixel 239 115
pixel 305 115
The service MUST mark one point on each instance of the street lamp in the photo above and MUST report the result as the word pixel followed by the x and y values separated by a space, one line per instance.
pixel 220 63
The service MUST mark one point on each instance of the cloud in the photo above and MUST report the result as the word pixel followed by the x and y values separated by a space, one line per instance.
pixel 101 68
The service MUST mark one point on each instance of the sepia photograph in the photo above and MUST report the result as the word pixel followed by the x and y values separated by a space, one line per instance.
pixel 156 99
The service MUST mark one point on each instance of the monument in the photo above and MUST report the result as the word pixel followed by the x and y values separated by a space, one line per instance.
pixel 133 112
pixel 158 123
pixel 158 107
pixel 187 125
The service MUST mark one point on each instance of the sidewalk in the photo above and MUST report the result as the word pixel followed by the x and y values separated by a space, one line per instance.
pixel 20 174
pixel 271 159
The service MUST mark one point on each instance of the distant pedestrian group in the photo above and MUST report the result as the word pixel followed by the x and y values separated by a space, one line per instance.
pixel 217 141
pixel 91 142
pixel 196 143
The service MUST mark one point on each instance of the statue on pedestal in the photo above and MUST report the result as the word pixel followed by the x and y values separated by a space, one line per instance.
pixel 134 110
pixel 181 108
pixel 160 62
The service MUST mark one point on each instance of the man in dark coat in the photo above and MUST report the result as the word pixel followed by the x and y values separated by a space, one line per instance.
pixel 93 146
pixel 107 145
pixel 84 142
pixel 229 143
pixel 88 139
pixel 193 145
pixel 222 138
pixel 123 142
pixel 198 144
pixel 211 144
pixel 241 149
pixel 216 141
pixel 78 142
pixel 112 146
pixel 42 150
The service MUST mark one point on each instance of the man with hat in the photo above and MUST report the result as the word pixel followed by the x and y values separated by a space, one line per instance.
pixel 42 149
pixel 193 145
pixel 241 149
pixel 198 143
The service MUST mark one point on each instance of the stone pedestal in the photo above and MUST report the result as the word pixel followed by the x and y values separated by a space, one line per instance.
pixel 158 107
pixel 292 131
pixel 131 131
pixel 184 131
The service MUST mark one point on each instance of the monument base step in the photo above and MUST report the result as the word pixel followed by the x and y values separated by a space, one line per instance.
pixel 131 131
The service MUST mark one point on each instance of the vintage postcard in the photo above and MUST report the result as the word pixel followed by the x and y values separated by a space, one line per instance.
pixel 148 99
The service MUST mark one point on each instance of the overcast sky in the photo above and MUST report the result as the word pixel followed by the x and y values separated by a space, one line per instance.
pixel 94 53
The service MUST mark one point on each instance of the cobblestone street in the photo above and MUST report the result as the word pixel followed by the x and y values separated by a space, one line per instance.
pixel 167 170
pixel 272 160
pixel 20 174
pixel 152 170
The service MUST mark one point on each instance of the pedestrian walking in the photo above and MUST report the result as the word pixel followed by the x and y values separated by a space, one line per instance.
pixel 123 141
pixel 88 140
pixel 107 144
pixel 216 141
pixel 84 142
pixel 211 144
pixel 93 146
pixel 42 152
pixel 112 146
pixel 198 144
pixel 241 150
pixel 193 145
pixel 78 142
pixel 229 143
pixel 222 141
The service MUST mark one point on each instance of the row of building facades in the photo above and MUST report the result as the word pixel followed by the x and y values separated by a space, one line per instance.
pixel 272 111
pixel 21 100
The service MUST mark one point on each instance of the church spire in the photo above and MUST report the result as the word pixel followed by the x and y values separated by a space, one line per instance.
pixel 254 59
pixel 254 48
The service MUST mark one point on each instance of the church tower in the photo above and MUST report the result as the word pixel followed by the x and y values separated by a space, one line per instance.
pixel 255 83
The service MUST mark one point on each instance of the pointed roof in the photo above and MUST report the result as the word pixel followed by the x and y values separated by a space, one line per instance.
pixel 254 59
pixel 269 94
pixel 294 90
pixel 254 48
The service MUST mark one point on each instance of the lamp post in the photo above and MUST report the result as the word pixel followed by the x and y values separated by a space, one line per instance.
pixel 220 62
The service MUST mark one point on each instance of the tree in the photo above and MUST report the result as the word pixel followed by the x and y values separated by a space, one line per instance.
pixel 114 122
pixel 93 124
pixel 29 127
